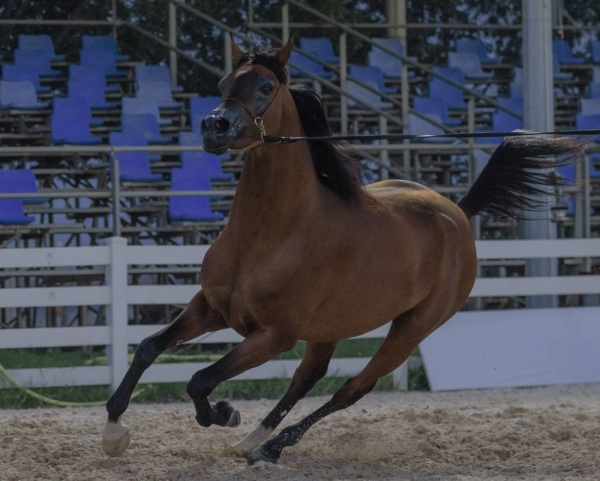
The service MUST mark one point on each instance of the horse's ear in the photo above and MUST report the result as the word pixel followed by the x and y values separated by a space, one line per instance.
pixel 283 54
pixel 236 51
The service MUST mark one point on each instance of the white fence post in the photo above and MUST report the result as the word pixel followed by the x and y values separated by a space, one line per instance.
pixel 116 279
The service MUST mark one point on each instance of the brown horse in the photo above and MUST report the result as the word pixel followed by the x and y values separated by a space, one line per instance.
pixel 310 254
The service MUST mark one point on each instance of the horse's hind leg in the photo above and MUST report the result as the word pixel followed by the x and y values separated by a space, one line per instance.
pixel 404 335
pixel 312 368
pixel 196 319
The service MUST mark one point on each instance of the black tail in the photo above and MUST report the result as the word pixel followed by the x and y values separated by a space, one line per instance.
pixel 518 171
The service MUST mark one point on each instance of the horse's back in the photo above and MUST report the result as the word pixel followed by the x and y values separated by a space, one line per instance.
pixel 406 197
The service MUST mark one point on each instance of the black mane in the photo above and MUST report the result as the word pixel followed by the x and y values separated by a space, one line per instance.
pixel 336 166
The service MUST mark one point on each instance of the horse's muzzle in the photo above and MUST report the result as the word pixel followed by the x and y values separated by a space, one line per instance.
pixel 218 131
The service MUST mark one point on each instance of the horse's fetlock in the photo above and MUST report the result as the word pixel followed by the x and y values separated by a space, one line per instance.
pixel 116 406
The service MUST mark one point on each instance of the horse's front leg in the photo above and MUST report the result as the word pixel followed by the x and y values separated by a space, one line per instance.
pixel 196 319
pixel 259 347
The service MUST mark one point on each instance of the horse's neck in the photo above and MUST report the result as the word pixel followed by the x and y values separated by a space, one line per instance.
pixel 278 186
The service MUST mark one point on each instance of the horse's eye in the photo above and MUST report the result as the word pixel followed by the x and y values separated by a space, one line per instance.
pixel 266 89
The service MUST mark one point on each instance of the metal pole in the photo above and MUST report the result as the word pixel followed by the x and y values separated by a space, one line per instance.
pixel 228 56
pixel 538 115
pixel 344 84
pixel 173 42
pixel 285 22
pixel 116 195
pixel 114 18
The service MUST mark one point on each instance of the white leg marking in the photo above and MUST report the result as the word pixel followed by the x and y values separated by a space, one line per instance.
pixel 253 439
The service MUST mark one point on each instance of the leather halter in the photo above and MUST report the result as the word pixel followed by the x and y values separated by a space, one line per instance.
pixel 258 121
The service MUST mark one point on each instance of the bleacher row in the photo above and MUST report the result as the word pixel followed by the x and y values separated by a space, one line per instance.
pixel 108 99
pixel 105 99
pixel 443 106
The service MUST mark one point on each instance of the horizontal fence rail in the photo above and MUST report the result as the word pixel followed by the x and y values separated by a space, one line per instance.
pixel 117 295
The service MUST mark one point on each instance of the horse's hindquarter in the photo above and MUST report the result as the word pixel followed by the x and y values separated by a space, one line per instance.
pixel 409 245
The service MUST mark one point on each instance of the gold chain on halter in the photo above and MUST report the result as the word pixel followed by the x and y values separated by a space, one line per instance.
pixel 258 121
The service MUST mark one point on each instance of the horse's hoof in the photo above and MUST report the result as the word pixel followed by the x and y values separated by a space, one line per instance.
pixel 227 416
pixel 115 439
pixel 262 454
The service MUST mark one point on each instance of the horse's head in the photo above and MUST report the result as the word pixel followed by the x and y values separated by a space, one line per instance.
pixel 248 95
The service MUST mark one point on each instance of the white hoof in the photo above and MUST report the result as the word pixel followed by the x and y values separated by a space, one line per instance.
pixel 252 440
pixel 115 439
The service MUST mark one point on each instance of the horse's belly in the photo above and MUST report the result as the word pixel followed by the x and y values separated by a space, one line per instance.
pixel 360 310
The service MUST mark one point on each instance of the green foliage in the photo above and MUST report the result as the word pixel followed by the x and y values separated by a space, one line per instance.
pixel 203 41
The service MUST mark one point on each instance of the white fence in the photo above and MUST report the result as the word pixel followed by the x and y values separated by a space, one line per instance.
pixel 117 295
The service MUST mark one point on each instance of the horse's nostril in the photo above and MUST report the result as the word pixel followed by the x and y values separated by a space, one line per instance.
pixel 222 125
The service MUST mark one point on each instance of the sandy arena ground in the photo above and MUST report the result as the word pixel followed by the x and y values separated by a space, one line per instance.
pixel 550 434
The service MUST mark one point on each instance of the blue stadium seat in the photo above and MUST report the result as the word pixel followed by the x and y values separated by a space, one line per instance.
pixel 453 96
pixel 19 95
pixel 390 66
pixel 513 103
pixel 77 107
pixel 589 106
pixel 305 63
pixel 92 90
pixel 419 126
pixel 15 181
pixel 103 59
pixel 516 90
pixel 91 73
pixel 368 98
pixel 200 107
pixel 66 128
pixel 133 166
pixel 147 124
pixel 435 105
pixel 157 92
pixel 557 73
pixel 595 51
pixel 320 47
pixel 193 158
pixel 371 74
pixel 470 65
pixel 103 42
pixel 477 46
pixel 191 208
pixel 24 72
pixel 595 90
pixel 153 73
pixel 134 105
pixel 38 59
pixel 39 42
pixel 504 122
pixel 11 213
pixel 564 55
pixel 585 122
